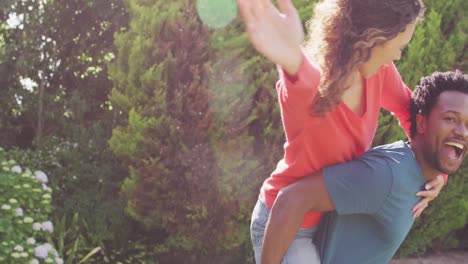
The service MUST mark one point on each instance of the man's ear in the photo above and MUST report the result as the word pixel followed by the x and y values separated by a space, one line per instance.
pixel 421 123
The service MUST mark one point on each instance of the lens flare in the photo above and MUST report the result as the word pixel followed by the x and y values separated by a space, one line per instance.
pixel 216 13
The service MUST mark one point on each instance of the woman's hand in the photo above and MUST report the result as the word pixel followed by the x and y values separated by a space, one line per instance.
pixel 277 36
pixel 433 189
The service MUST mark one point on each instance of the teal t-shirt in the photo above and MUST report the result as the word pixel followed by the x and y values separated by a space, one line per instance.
pixel 373 196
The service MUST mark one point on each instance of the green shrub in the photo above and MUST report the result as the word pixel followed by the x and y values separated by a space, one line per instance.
pixel 88 209
pixel 25 228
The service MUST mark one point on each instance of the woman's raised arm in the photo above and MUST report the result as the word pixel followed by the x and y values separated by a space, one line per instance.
pixel 276 35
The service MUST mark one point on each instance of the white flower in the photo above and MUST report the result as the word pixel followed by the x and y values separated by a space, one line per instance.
pixel 47 226
pixel 49 260
pixel 19 248
pixel 16 255
pixel 6 207
pixel 44 187
pixel 24 254
pixel 28 220
pixel 41 252
pixel 41 176
pixel 12 162
pixel 47 196
pixel 34 261
pixel 27 185
pixel 19 211
pixel 31 240
pixel 36 226
pixel 13 201
pixel 59 260
pixel 5 168
pixel 16 169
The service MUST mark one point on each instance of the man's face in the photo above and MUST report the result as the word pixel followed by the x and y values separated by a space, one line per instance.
pixel 445 132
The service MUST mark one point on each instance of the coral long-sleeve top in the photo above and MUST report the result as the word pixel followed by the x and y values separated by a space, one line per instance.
pixel 313 143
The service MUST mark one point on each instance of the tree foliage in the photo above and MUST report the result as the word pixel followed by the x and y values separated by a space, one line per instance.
pixel 56 112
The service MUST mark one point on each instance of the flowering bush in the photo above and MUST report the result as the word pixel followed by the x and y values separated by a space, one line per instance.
pixel 25 205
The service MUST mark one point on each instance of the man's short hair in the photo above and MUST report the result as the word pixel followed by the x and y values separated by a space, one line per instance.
pixel 427 92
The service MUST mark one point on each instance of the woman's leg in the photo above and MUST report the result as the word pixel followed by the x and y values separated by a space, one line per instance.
pixel 257 228
pixel 302 250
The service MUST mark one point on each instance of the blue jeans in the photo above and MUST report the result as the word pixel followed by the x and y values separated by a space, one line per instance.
pixel 301 251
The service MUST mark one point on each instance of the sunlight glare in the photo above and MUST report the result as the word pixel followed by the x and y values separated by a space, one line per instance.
pixel 217 13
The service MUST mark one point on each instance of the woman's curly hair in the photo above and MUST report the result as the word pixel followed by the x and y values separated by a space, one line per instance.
pixel 342 35
pixel 427 92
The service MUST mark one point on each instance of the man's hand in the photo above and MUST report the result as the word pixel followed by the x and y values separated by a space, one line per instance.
pixel 433 189
pixel 276 35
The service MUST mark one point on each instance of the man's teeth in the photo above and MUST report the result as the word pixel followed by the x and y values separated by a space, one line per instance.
pixel 457 145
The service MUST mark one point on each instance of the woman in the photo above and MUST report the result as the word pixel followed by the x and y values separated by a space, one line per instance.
pixel 330 104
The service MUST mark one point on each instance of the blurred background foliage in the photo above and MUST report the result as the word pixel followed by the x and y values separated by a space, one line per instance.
pixel 157 131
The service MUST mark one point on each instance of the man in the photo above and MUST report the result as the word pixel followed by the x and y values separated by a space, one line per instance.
pixel 373 206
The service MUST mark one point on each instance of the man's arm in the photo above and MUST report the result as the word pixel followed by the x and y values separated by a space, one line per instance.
pixel 359 186
pixel 308 194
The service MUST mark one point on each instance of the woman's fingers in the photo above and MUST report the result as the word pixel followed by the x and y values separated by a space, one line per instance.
pixel 432 194
pixel 245 9
pixel 420 207
pixel 274 35
pixel 437 183
pixel 433 189
pixel 286 7
pixel 421 204
pixel 418 212
pixel 253 8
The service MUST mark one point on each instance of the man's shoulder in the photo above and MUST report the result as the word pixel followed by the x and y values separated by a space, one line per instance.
pixel 399 145
pixel 396 157
pixel 398 151
pixel 400 161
